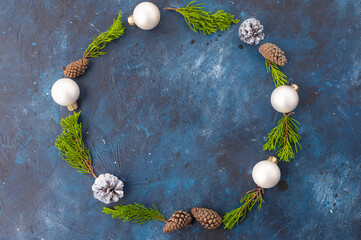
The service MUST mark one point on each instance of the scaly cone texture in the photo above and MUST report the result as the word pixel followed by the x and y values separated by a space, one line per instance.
pixel 209 218
pixel 76 69
pixel 273 54
pixel 178 220
pixel 250 31
pixel 107 188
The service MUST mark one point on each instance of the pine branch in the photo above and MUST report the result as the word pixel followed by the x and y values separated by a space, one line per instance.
pixel 285 138
pixel 115 31
pixel 135 213
pixel 237 215
pixel 200 20
pixel 279 77
pixel 72 147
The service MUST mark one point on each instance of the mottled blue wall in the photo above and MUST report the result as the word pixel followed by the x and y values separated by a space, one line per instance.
pixel 181 118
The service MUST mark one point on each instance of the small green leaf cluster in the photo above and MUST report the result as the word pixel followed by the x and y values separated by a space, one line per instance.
pixel 200 20
pixel 237 215
pixel 115 31
pixel 71 145
pixel 279 77
pixel 135 213
pixel 284 137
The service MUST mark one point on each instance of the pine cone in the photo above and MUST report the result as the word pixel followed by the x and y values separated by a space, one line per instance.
pixel 76 68
pixel 178 220
pixel 207 217
pixel 250 31
pixel 273 53
pixel 108 188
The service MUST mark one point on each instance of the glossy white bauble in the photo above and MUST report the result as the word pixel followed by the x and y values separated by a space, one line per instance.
pixel 266 174
pixel 284 99
pixel 65 92
pixel 146 15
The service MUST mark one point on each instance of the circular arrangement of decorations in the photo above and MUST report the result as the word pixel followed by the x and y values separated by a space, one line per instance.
pixel 107 188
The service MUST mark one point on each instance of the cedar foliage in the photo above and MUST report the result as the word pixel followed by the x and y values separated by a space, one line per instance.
pixel 206 22
pixel 279 77
pixel 285 138
pixel 71 145
pixel 237 215
pixel 115 31
pixel 135 213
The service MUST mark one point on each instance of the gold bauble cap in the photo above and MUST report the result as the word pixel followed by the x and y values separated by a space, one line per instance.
pixel 295 87
pixel 72 107
pixel 272 159
pixel 131 20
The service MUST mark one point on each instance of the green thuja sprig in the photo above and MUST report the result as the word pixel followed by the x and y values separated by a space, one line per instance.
pixel 135 213
pixel 285 138
pixel 279 77
pixel 115 31
pixel 200 20
pixel 71 145
pixel 237 215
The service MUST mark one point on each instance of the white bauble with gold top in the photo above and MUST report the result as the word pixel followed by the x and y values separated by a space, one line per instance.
pixel 284 99
pixel 146 16
pixel 266 174
pixel 65 92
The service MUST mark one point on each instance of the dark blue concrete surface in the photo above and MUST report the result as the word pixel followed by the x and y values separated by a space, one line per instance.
pixel 181 118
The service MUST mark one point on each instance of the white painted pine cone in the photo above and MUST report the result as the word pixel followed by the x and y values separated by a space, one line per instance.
pixel 250 31
pixel 107 188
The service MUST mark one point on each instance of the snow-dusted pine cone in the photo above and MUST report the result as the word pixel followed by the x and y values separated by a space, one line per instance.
pixel 178 220
pixel 76 68
pixel 108 188
pixel 273 53
pixel 250 31
pixel 207 217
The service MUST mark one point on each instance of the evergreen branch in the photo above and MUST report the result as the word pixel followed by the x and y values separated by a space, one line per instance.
pixel 135 213
pixel 279 77
pixel 115 31
pixel 71 145
pixel 237 215
pixel 285 138
pixel 200 20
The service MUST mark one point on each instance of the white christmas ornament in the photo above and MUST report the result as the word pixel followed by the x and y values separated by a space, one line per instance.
pixel 146 16
pixel 65 92
pixel 284 99
pixel 266 174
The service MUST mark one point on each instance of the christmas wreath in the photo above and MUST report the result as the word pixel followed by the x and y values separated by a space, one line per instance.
pixel 107 188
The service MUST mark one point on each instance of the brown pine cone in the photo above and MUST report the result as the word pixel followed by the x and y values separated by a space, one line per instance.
pixel 207 217
pixel 178 220
pixel 273 53
pixel 76 68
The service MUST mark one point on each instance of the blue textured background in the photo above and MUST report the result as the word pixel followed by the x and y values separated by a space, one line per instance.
pixel 181 118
